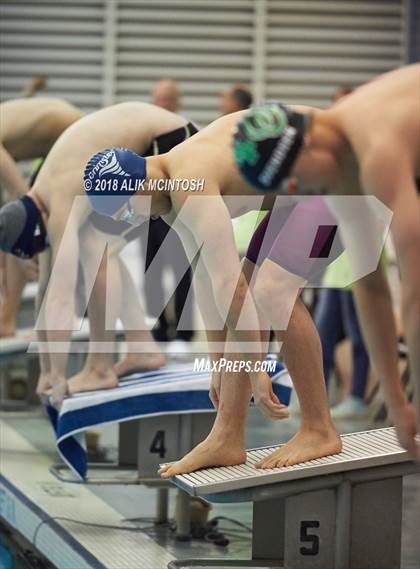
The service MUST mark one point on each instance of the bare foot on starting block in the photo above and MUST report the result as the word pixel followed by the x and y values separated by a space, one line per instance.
pixel 135 362
pixel 44 384
pixel 305 445
pixel 56 392
pixel 59 390
pixel 92 379
pixel 211 452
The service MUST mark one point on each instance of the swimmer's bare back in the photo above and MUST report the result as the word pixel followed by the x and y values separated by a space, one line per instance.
pixel 384 113
pixel 209 155
pixel 131 125
pixel 30 127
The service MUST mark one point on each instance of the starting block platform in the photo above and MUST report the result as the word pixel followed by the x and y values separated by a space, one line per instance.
pixel 339 512
pixel 162 414
pixel 19 366
pixel 171 391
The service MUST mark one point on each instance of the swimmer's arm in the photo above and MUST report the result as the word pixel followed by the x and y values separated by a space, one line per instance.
pixel 372 294
pixel 376 316
pixel 208 219
pixel 36 83
pixel 3 279
pixel 10 176
pixel 406 232
pixel 44 272
pixel 391 179
pixel 214 325
pixel 58 307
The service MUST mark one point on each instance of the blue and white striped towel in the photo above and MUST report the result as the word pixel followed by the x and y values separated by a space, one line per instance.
pixel 170 390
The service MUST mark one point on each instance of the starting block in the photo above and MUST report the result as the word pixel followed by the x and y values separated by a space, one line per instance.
pixel 19 372
pixel 19 368
pixel 339 512
pixel 162 415
pixel 143 444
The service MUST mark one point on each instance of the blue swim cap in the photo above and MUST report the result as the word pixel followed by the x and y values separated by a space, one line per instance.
pixel 112 177
pixel 266 144
pixel 22 229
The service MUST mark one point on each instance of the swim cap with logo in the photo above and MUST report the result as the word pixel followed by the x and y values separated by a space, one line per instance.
pixel 112 177
pixel 266 144
pixel 22 229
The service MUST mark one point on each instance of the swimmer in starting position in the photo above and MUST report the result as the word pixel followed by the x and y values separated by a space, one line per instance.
pixel 50 211
pixel 369 142
pixel 28 130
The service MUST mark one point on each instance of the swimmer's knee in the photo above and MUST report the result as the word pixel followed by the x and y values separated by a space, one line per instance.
pixel 273 286
pixel 265 289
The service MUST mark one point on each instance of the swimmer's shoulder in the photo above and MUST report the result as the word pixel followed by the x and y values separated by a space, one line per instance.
pixel 36 103
pixel 31 110
pixel 151 120
pixel 218 131
pixel 226 122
